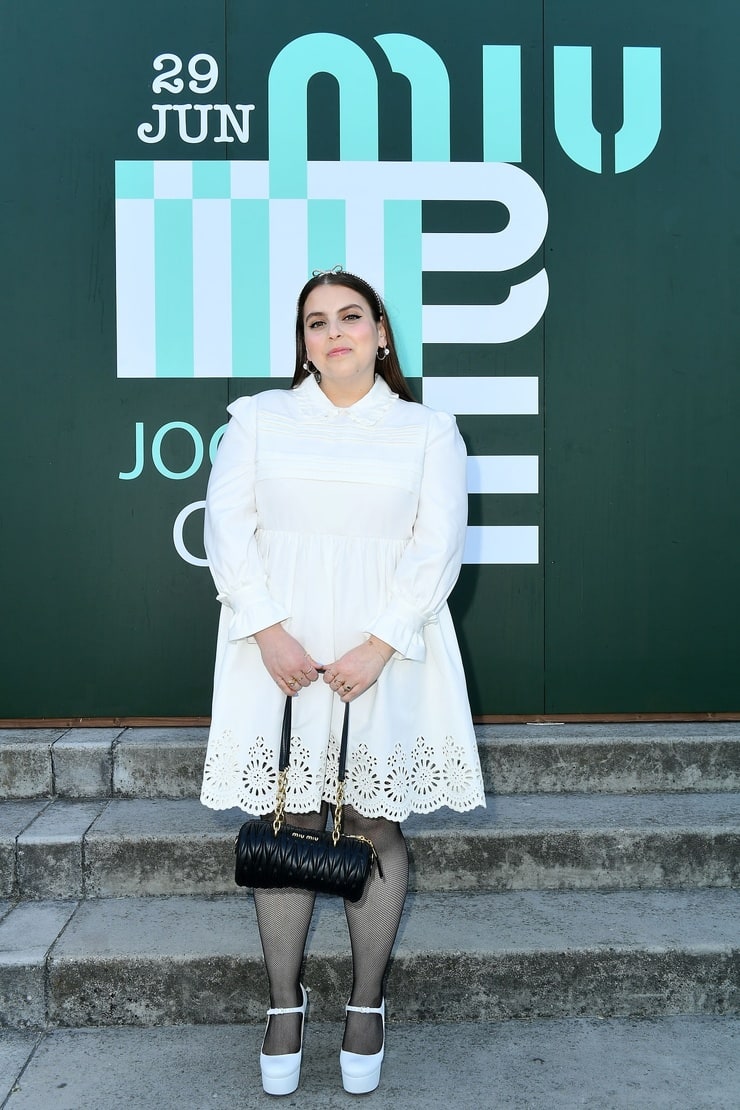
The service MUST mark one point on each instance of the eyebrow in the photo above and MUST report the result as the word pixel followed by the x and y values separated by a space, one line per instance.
pixel 340 310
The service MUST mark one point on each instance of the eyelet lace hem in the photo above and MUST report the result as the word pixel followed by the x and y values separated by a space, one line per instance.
pixel 392 787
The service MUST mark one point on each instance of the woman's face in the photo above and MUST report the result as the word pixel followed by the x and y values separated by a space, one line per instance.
pixel 341 336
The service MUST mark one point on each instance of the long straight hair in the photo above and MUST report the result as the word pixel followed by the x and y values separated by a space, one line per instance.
pixel 388 368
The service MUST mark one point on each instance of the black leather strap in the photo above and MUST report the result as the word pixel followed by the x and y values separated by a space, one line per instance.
pixel 343 745
pixel 285 737
pixel 285 740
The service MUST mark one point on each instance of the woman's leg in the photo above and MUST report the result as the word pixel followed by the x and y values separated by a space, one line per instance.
pixel 283 918
pixel 373 924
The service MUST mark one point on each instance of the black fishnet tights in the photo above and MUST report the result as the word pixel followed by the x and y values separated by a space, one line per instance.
pixel 284 917
pixel 373 923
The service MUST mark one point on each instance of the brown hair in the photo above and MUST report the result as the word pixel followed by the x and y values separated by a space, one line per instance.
pixel 389 367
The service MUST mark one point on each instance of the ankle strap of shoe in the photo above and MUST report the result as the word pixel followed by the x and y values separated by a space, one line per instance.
pixel 291 1009
pixel 366 1009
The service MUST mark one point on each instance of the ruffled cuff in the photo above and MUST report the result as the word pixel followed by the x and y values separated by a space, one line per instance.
pixel 253 610
pixel 401 626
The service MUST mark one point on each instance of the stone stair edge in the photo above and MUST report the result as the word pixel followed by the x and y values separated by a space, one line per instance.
pixel 532 731
pixel 556 919
pixel 114 847
pixel 91 763
pixel 658 806
pixel 670 728
pixel 168 960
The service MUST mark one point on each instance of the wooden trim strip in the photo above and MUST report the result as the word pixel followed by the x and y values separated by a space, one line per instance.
pixel 486 719
pixel 604 718
pixel 105 722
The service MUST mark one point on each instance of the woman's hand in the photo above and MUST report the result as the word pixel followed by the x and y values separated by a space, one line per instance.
pixel 358 669
pixel 286 661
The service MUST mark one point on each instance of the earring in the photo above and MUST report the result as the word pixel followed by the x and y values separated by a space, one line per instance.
pixel 305 366
pixel 384 356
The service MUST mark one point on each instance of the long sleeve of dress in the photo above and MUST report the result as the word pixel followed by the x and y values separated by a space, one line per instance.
pixel 230 525
pixel 430 565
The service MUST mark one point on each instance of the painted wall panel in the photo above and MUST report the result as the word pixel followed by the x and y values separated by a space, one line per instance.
pixel 600 418
pixel 641 389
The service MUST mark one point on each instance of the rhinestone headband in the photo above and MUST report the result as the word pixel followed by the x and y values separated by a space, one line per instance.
pixel 337 270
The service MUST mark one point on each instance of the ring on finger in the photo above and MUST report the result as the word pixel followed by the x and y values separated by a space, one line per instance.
pixel 347 688
pixel 292 684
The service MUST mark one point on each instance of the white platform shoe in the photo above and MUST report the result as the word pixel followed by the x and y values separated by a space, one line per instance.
pixel 280 1074
pixel 361 1074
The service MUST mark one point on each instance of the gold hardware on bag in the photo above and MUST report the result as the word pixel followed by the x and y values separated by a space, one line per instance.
pixel 338 813
pixel 375 855
pixel 304 858
pixel 282 789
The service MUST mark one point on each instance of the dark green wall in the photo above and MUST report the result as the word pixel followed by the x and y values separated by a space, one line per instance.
pixel 642 398
pixel 635 603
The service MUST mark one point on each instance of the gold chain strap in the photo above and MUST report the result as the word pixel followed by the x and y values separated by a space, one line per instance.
pixel 338 813
pixel 282 790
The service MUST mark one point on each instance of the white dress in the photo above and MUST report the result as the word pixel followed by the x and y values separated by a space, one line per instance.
pixel 340 523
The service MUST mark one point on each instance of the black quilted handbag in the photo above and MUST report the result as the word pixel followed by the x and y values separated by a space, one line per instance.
pixel 273 854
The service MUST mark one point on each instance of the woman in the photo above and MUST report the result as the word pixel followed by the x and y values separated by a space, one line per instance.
pixel 335 521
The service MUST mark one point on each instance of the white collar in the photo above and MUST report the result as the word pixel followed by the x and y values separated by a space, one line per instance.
pixel 367 411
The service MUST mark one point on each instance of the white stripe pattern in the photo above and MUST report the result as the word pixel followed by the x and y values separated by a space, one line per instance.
pixel 212 298
pixel 135 320
pixel 364 187
pixel 288 266
pixel 502 544
pixel 173 180
pixel 500 396
pixel 503 473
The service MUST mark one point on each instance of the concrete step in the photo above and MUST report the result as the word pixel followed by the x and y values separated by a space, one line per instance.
pixel 670 1063
pixel 167 762
pixel 459 957
pixel 576 841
